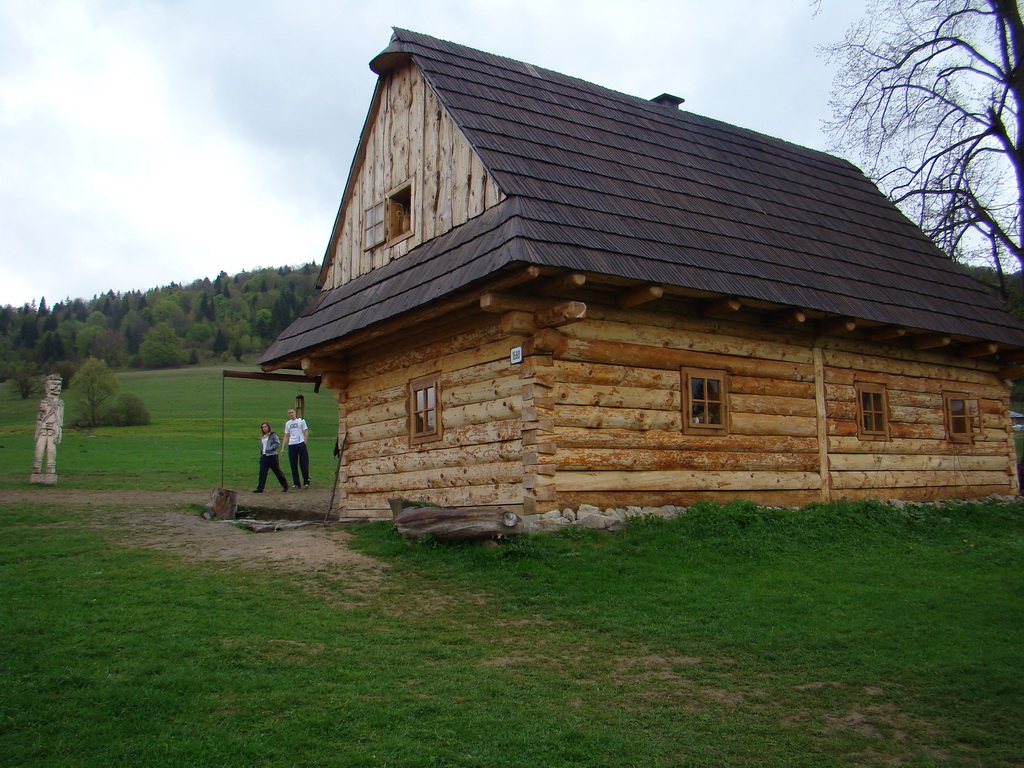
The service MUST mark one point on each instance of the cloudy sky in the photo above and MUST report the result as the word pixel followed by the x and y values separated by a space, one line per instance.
pixel 144 142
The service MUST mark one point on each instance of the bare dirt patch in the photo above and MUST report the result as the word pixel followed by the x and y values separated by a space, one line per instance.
pixel 171 521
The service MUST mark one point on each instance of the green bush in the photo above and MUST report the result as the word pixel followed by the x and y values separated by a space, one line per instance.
pixel 129 411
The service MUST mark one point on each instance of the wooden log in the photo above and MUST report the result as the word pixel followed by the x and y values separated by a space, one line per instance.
pixel 605 459
pixel 494 301
pixel 472 434
pixel 509 496
pixel 503 473
pixel 867 462
pixel 619 353
pixel 545 341
pixel 785 317
pixel 848 445
pixel 396 409
pixel 719 307
pixel 671 339
pixel 556 286
pixel 380 430
pixel 451 355
pixel 560 314
pixel 911 365
pixel 447 523
pixel 758 385
pixel 598 417
pixel 617 397
pixel 437 458
pixel 518 322
pixel 770 404
pixel 623 499
pixel 480 413
pixel 686 480
pixel 575 372
pixel 981 349
pixel 480 391
pixel 925 493
pixel 886 333
pixel 837 325
pixel 911 479
pixel 223 504
pixel 640 295
pixel 674 440
pixel 931 341
pixel 766 424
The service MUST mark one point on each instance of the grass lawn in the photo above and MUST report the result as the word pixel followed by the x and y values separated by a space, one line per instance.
pixel 837 636
pixel 182 447
pixel 834 636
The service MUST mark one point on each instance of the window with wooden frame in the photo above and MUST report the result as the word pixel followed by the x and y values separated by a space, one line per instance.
pixel 389 220
pixel 424 410
pixel 374 231
pixel 705 402
pixel 962 415
pixel 400 213
pixel 872 411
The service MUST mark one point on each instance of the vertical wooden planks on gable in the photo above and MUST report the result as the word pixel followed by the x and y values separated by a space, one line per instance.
pixel 446 167
pixel 430 173
pixel 409 138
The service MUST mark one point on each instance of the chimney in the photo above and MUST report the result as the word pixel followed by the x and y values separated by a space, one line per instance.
pixel 668 100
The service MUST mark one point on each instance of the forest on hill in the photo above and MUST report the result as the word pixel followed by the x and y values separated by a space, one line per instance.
pixel 227 318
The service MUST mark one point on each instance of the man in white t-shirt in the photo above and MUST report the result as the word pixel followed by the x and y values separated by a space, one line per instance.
pixel 295 435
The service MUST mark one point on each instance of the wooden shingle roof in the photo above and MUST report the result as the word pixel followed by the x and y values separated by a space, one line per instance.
pixel 601 182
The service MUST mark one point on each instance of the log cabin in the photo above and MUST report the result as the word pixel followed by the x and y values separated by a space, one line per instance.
pixel 540 293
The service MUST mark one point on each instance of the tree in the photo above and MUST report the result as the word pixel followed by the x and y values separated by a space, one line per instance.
pixel 25 380
pixel 928 99
pixel 95 385
pixel 161 347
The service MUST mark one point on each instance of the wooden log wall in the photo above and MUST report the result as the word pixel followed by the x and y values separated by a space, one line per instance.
pixel 617 412
pixel 616 435
pixel 477 462
pixel 593 415
pixel 409 137
pixel 917 462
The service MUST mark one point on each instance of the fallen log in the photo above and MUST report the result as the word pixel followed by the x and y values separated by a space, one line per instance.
pixel 452 523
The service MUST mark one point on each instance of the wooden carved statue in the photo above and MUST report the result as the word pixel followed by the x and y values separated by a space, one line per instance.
pixel 49 429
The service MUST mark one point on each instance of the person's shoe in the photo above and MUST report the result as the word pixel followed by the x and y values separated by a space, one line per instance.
pixel 257 490
pixel 284 489
pixel 296 487
pixel 306 486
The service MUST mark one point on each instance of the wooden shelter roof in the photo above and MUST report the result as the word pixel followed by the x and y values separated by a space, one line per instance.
pixel 605 183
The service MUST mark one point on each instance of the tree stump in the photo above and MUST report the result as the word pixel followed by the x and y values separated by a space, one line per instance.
pixel 223 504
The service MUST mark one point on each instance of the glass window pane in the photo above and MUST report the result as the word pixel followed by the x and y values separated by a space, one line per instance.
pixel 697 387
pixel 714 413
pixel 714 388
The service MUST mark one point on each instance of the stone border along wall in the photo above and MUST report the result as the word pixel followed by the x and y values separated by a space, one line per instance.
pixel 589 516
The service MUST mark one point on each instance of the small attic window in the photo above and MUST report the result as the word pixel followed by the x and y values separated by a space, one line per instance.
pixel 389 220
pixel 400 213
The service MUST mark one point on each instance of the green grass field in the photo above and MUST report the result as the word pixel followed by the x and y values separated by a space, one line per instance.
pixel 846 635
pixel 182 447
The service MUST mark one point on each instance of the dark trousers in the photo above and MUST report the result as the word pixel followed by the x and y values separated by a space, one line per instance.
pixel 298 457
pixel 269 463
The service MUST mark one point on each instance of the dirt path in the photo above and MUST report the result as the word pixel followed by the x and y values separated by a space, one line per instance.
pixel 161 520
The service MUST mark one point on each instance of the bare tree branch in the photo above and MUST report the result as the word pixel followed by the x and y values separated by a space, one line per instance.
pixel 929 100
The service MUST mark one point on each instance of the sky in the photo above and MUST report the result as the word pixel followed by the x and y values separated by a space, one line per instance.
pixel 145 142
